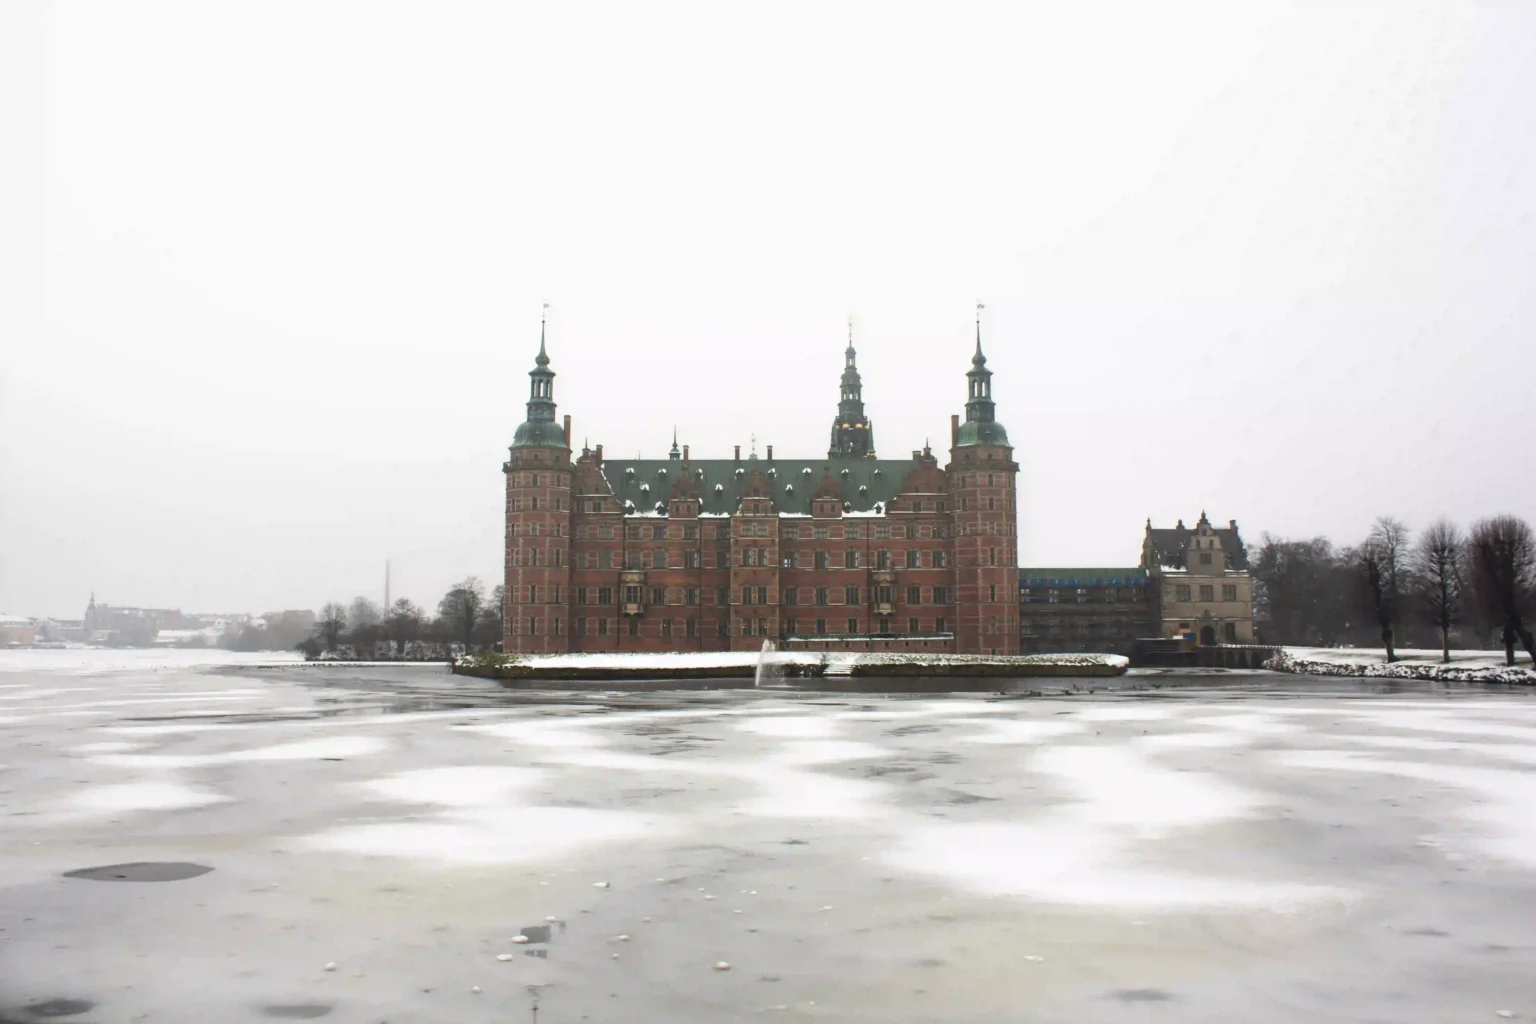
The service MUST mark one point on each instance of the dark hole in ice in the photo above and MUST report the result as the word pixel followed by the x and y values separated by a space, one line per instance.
pixel 59 1007
pixel 1141 995
pixel 536 933
pixel 297 1011
pixel 1433 933
pixel 141 871
pixel 542 954
pixel 930 962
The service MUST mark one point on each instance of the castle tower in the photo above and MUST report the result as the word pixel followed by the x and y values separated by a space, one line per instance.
pixel 536 607
pixel 852 435
pixel 982 479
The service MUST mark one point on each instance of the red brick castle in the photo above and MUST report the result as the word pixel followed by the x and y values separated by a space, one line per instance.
pixel 848 552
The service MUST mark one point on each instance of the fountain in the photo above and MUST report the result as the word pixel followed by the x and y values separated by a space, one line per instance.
pixel 767 668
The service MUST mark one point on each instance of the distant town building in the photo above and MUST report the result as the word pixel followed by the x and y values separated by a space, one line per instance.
pixel 16 631
pixel 1104 609
pixel 1203 584
pixel 849 551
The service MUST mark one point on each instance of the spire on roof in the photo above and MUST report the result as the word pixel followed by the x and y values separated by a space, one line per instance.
pixel 852 433
pixel 539 428
pixel 675 453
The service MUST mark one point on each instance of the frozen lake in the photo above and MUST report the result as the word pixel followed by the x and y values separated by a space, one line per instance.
pixel 1249 847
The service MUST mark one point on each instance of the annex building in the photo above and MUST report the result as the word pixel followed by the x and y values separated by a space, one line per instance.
pixel 846 551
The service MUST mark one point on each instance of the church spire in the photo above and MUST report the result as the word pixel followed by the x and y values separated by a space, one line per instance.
pixel 675 453
pixel 852 434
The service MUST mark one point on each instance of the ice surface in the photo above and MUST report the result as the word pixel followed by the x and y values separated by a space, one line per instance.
pixel 143 796
pixel 304 750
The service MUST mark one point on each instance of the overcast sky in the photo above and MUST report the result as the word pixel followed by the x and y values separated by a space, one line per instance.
pixel 278 267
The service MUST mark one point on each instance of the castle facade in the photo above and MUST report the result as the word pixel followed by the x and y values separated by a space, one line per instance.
pixel 845 552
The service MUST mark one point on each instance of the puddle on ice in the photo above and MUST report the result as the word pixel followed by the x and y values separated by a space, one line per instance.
pixel 143 796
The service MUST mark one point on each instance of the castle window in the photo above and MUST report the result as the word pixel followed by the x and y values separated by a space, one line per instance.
pixel 914 595
pixel 850 595
pixel 1182 592
pixel 789 627
pixel 883 558
pixel 853 625
pixel 658 595
pixel 533 626
pixel 723 627
pixel 535 480
pixel 938 625
pixel 851 558
pixel 690 559
pixel 659 557
pixel 993 598
pixel 692 627
pixel 791 595
pixel 819 533
pixel 914 558
pixel 632 532
pixel 666 627
pixel 721 598
pixel 690 596
pixel 581 595
pixel 556 621
pixel 883 531
pixel 821 560
pixel 912 625
pixel 604 596
pixel 631 559
pixel 991 556
pixel 581 627
pixel 821 598
pixel 691 531
pixel 602 627
pixel 633 625
pixel 746 595
pixel 940 558
pixel 991 504
pixel 1205 558
pixel 1229 591
pixel 941 595
pixel 1207 592
pixel 1229 631
pixel 821 627
pixel 990 481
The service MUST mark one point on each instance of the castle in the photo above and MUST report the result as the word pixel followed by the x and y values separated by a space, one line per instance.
pixel 846 552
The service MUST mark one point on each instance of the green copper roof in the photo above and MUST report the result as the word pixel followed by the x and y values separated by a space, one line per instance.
pixel 863 482
pixel 538 434
pixel 982 432
pixel 1036 576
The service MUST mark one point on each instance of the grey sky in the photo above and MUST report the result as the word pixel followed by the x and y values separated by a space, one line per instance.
pixel 1273 261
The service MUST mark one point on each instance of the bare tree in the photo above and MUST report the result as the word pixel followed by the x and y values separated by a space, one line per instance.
pixel 1439 570
pixel 1382 562
pixel 331 624
pixel 403 623
pixel 461 607
pixel 364 613
pixel 1503 551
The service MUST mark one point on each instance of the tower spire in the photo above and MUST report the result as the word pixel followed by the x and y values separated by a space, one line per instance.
pixel 675 453
pixel 852 434
pixel 539 429
pixel 981 426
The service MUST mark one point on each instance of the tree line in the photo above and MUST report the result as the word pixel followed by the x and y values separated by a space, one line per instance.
pixel 1396 590
pixel 466 616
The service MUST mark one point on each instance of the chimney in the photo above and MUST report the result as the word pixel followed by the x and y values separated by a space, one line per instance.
pixel 954 430
pixel 685 453
pixel 916 455
pixel 599 455
pixel 738 453
pixel 770 455
pixel 567 430
pixel 1232 523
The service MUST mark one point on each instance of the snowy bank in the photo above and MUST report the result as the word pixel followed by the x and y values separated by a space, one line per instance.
pixel 744 664
pixel 1465 666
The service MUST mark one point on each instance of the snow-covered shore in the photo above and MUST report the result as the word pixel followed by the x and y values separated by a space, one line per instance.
pixel 724 664
pixel 1464 667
